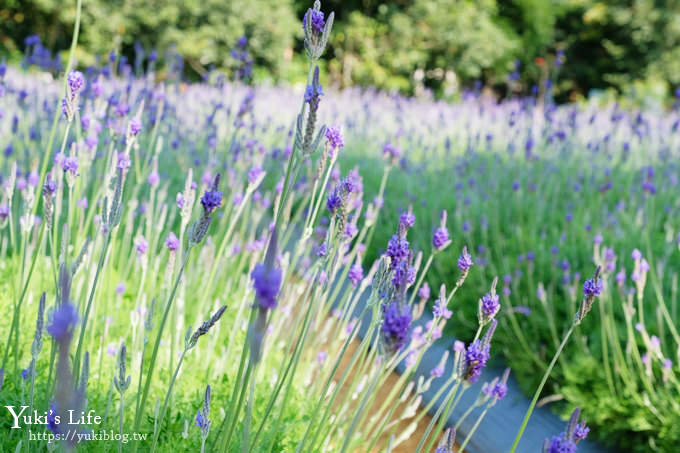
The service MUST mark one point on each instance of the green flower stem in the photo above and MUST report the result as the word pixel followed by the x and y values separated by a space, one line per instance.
pixel 141 373
pixel 474 428
pixel 289 365
pixel 122 418
pixel 227 236
pixel 154 354
pixel 355 356
pixel 249 410
pixel 540 389
pixel 14 326
pixel 48 154
pixel 236 410
pixel 360 410
pixel 161 417
pixel 291 161
pixel 88 307
pixel 237 393
pixel 449 397
pixel 445 418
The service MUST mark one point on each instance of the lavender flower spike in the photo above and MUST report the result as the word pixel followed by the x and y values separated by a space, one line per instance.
pixel 69 104
pixel 448 441
pixel 203 417
pixel 210 200
pixel 566 441
pixel 317 31
pixel 489 305
pixel 205 327
pixel 267 282
pixel 63 320
pixel 396 326
pixel 591 289
pixel 267 278
pixel 440 238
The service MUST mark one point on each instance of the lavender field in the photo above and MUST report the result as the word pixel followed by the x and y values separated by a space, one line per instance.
pixel 221 266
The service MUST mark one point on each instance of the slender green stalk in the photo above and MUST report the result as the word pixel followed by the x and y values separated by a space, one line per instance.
pixel 444 407
pixel 17 308
pixel 122 418
pixel 540 389
pixel 154 354
pixel 47 156
pixel 161 417
pixel 88 307
pixel 474 428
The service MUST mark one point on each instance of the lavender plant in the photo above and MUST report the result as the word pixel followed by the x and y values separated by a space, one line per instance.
pixel 216 194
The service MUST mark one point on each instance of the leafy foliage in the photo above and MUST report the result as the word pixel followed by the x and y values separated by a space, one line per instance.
pixel 403 45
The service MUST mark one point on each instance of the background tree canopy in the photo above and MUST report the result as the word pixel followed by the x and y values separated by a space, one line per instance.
pixel 408 45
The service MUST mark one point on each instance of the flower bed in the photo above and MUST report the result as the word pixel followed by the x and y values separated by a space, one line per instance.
pixel 162 206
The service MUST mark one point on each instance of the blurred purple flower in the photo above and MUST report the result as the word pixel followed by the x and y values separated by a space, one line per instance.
pixel 63 320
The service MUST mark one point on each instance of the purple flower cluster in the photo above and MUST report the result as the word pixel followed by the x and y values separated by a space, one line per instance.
pixel 592 287
pixel 171 242
pixel 335 138
pixel 76 82
pixel 318 21
pixel 313 93
pixel 560 444
pixel 440 309
pixel 397 250
pixel 407 220
pixel 391 151
pixel 396 326
pixel 70 165
pixel 465 260
pixel 440 238
pixel 211 199
pixel 490 305
pixel 63 320
pixel 498 390
pixel 135 126
pixel 424 291
pixel 404 275
pixel 267 282
pixel 476 356
pixel 566 441
pixel 356 274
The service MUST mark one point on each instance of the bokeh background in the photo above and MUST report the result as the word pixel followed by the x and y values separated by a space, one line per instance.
pixel 422 47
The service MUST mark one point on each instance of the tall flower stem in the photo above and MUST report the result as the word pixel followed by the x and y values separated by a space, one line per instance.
pixel 360 410
pixel 154 354
pixel 291 161
pixel 364 344
pixel 437 415
pixel 229 420
pixel 161 417
pixel 47 155
pixel 540 389
pixel 290 365
pixel 474 428
pixel 17 308
pixel 88 307
pixel 121 416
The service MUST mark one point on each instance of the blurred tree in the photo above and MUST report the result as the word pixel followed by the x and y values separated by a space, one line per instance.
pixel 204 31
pixel 404 45
pixel 611 43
